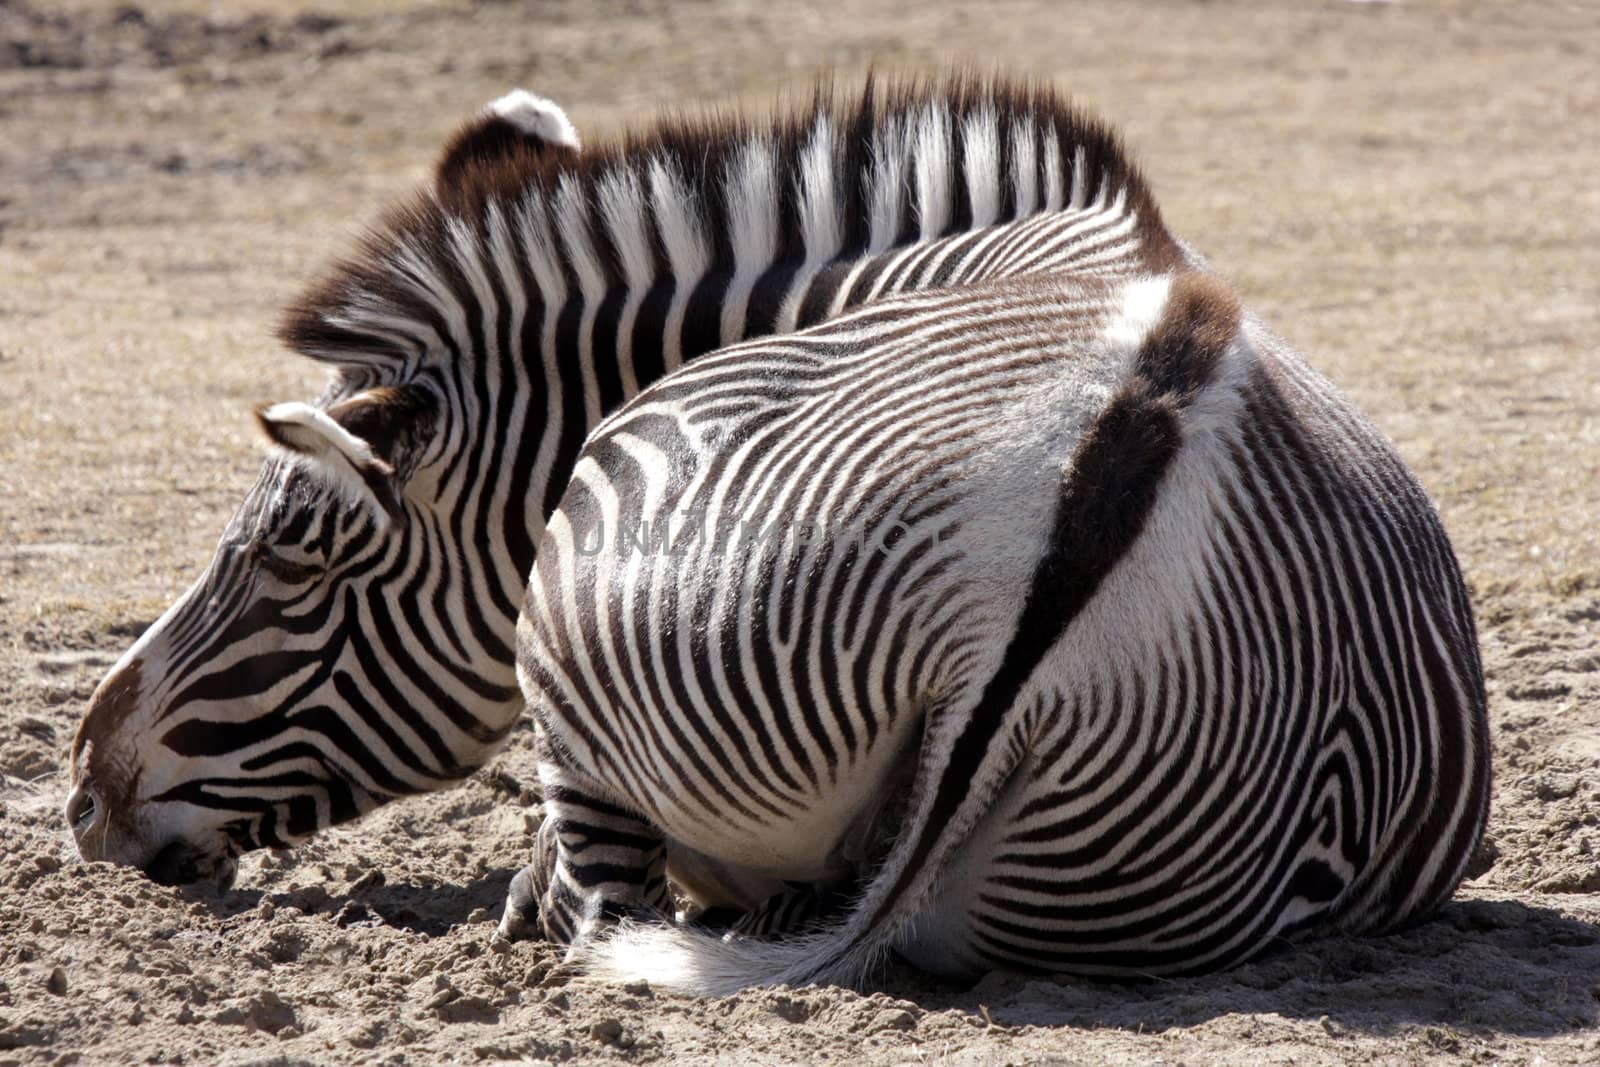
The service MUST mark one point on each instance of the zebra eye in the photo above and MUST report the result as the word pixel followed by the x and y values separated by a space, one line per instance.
pixel 286 570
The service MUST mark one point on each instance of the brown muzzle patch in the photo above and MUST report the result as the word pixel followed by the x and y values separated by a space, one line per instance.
pixel 109 767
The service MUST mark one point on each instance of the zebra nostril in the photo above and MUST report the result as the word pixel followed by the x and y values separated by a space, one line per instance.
pixel 81 809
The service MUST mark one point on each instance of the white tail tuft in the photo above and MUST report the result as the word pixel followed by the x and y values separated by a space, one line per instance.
pixel 537 117
pixel 685 960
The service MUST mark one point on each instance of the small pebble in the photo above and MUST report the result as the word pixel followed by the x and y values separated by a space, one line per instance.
pixel 57 982
pixel 894 1019
pixel 371 880
pixel 353 912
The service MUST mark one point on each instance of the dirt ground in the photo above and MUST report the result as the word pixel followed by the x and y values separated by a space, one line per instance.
pixel 1407 191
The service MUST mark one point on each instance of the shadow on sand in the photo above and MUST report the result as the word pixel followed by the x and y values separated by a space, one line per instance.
pixel 1479 966
pixel 430 910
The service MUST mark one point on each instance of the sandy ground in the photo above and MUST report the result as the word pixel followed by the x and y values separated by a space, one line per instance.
pixel 1406 191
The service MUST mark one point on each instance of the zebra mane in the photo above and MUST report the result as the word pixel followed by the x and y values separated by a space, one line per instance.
pixel 881 167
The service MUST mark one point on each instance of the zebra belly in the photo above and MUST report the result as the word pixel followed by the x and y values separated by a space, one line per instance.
pixel 821 836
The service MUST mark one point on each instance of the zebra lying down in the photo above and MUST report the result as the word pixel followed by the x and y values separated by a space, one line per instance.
pixel 1016 601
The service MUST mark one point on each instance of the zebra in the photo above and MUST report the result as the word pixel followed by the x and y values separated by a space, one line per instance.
pixel 1051 622
pixel 353 639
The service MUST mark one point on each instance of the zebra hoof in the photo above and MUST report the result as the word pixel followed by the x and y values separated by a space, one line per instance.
pixel 520 921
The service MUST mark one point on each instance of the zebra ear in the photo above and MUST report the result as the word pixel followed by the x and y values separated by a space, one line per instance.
pixel 534 117
pixel 355 444
pixel 513 136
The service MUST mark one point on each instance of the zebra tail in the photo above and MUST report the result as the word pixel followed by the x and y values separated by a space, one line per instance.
pixel 687 960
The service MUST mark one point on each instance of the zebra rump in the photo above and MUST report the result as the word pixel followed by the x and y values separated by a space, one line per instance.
pixel 1164 651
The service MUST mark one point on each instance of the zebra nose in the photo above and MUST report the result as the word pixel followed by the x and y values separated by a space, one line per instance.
pixel 104 774
pixel 83 811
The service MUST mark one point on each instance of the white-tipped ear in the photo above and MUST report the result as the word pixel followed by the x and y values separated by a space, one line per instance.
pixel 321 444
pixel 536 117
pixel 308 431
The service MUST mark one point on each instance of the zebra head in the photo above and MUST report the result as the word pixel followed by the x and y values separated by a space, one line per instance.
pixel 351 640
pixel 291 687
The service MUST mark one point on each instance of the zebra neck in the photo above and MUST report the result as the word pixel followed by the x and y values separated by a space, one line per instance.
pixel 604 340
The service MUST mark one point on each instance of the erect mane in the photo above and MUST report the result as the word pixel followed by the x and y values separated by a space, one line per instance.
pixel 897 155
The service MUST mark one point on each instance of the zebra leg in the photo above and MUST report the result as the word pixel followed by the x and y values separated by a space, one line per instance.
pixel 736 902
pixel 520 920
pixel 798 908
pixel 594 862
